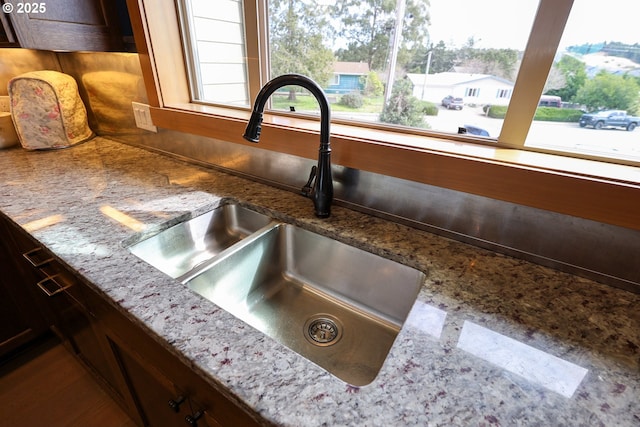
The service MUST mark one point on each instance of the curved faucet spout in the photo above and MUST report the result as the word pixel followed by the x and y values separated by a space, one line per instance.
pixel 322 191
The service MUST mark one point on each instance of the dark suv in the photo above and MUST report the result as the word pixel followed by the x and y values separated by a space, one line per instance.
pixel 450 102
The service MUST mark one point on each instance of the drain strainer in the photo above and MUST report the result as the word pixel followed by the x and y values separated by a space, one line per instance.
pixel 323 330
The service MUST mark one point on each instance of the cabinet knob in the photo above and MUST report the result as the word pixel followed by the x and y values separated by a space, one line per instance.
pixel 192 420
pixel 175 403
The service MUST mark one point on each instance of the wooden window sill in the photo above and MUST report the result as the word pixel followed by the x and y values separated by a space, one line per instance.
pixel 588 189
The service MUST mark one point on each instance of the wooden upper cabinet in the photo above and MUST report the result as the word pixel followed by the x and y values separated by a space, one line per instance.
pixel 70 25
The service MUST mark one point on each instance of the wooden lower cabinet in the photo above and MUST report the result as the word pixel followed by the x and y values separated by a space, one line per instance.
pixel 57 300
pixel 20 321
pixel 150 382
pixel 162 403
pixel 21 318
pixel 166 390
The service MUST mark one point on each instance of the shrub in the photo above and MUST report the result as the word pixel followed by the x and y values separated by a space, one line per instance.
pixel 429 108
pixel 352 100
pixel 373 86
pixel 403 108
pixel 551 114
pixel 497 111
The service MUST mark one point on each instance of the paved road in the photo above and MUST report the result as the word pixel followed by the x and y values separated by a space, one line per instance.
pixel 569 136
pixel 561 136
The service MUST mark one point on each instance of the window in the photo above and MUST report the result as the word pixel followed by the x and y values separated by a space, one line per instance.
pixel 472 92
pixel 491 167
pixel 503 93
pixel 597 69
pixel 414 43
pixel 213 34
pixel 411 49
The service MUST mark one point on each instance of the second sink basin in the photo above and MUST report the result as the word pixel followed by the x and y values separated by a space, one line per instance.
pixel 338 306
pixel 179 250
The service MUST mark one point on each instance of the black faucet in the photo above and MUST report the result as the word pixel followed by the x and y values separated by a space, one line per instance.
pixel 322 191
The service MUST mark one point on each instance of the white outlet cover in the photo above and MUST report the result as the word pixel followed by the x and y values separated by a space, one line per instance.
pixel 143 116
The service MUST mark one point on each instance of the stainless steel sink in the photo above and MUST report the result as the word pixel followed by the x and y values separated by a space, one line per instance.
pixel 190 245
pixel 336 305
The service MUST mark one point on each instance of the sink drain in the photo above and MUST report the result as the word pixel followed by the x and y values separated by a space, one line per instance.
pixel 323 330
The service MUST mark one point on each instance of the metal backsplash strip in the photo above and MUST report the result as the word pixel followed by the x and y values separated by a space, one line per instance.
pixel 602 252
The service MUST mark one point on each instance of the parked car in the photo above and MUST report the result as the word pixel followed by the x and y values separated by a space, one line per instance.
pixel 451 102
pixel 550 101
pixel 475 130
pixel 609 119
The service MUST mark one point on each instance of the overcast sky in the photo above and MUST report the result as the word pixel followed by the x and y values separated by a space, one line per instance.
pixel 506 23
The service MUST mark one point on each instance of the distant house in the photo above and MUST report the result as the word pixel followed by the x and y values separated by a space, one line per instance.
pixel 473 88
pixel 596 62
pixel 347 77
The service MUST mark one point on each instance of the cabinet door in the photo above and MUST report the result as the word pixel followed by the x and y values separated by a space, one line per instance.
pixel 207 420
pixel 159 400
pixel 67 25
pixel 74 324
pixel 21 317
pixel 7 38
pixel 19 324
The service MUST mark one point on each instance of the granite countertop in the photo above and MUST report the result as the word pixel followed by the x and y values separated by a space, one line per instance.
pixel 491 340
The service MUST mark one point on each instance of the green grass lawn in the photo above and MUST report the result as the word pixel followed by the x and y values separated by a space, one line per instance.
pixel 306 102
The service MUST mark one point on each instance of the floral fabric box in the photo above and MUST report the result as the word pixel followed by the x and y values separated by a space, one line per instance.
pixel 47 110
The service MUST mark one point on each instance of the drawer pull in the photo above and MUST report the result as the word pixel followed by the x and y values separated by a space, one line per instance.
pixel 51 286
pixel 37 257
pixel 175 403
pixel 192 420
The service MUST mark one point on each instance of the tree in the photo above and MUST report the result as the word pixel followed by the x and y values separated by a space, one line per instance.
pixel 296 30
pixel 496 62
pixel 609 91
pixel 373 86
pixel 403 108
pixel 369 25
pixel 415 33
pixel 442 59
pixel 575 75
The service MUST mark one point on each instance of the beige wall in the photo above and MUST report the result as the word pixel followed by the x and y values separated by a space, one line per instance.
pixel 107 83
pixel 14 62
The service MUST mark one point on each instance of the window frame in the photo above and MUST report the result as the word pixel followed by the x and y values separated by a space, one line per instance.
pixel 503 170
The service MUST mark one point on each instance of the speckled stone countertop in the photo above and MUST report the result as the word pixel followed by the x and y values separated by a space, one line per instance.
pixel 491 340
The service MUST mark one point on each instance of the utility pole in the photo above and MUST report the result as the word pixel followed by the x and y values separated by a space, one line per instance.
pixel 426 72
pixel 397 36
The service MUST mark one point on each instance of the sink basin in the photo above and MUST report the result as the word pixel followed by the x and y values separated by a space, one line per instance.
pixel 185 247
pixel 334 304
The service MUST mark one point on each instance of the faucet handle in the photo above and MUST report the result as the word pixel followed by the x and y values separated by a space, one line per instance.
pixel 308 187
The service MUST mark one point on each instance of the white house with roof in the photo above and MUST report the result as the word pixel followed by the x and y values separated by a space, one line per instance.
pixel 473 88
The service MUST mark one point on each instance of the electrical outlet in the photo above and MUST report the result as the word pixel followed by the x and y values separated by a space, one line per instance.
pixel 143 117
pixel 5 104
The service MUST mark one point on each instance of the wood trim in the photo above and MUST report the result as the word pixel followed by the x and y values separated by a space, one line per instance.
pixel 540 52
pixel 140 35
pixel 598 199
